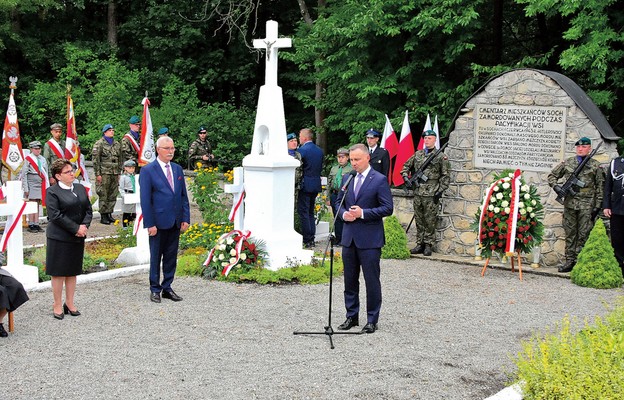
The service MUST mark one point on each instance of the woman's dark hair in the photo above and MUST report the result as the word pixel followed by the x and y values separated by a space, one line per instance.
pixel 58 165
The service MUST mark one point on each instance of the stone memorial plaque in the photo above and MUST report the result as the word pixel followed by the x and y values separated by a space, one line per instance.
pixel 531 138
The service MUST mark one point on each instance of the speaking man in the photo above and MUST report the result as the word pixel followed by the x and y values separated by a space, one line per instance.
pixel 367 199
pixel 166 213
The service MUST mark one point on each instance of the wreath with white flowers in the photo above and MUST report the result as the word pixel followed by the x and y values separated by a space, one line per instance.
pixel 234 249
pixel 510 217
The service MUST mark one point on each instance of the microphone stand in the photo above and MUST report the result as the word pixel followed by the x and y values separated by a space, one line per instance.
pixel 328 330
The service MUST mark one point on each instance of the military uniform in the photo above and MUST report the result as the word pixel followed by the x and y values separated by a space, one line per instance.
pixel 128 149
pixel 334 184
pixel 51 150
pixel 578 209
pixel 427 196
pixel 614 201
pixel 198 149
pixel 107 163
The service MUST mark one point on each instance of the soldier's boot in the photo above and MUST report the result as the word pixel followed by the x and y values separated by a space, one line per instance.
pixel 104 219
pixel 567 267
pixel 418 249
pixel 427 250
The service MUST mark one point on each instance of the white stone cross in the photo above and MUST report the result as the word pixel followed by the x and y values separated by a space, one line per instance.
pixel 141 253
pixel 271 44
pixel 28 275
pixel 237 188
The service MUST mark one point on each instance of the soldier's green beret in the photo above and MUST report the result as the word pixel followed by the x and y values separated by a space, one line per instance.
pixel 582 141
pixel 429 133
pixel 107 127
pixel 291 136
pixel 134 120
pixel 163 131
pixel 202 129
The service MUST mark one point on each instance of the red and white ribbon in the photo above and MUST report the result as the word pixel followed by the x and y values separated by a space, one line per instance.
pixel 238 200
pixel 512 221
pixel 17 219
pixel 223 241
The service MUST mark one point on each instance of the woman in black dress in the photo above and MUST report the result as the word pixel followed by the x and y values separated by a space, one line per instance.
pixel 12 295
pixel 69 216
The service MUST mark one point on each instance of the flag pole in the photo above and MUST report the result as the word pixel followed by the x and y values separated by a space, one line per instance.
pixel 12 86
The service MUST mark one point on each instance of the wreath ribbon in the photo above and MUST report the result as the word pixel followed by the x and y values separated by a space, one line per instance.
pixel 239 245
pixel 17 218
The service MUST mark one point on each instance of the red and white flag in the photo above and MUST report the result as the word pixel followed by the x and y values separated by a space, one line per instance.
pixel 72 151
pixel 147 153
pixel 405 151
pixel 390 142
pixel 12 155
pixel 436 129
pixel 421 142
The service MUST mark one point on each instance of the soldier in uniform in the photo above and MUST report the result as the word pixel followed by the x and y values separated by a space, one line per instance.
pixel 107 164
pixel 613 205
pixel 427 196
pixel 131 142
pixel 334 184
pixel 54 148
pixel 379 157
pixel 580 210
pixel 200 152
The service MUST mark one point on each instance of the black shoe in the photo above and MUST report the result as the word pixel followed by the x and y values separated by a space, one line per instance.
pixel 418 249
pixel 39 229
pixel 427 250
pixel 32 229
pixel 349 323
pixel 3 333
pixel 155 297
pixel 309 245
pixel 567 267
pixel 369 328
pixel 104 219
pixel 58 316
pixel 66 310
pixel 171 296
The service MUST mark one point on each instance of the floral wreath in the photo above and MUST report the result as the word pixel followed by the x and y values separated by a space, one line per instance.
pixel 234 248
pixel 509 219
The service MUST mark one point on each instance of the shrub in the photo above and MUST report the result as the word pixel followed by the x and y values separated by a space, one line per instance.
pixel 38 259
pixel 586 365
pixel 203 235
pixel 596 265
pixel 396 240
pixel 209 196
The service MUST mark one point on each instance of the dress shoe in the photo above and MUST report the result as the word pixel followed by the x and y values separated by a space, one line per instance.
pixel 427 250
pixel 567 267
pixel 171 296
pixel 349 323
pixel 369 328
pixel 104 219
pixel 155 297
pixel 3 333
pixel 66 310
pixel 39 228
pixel 32 229
pixel 418 249
pixel 58 316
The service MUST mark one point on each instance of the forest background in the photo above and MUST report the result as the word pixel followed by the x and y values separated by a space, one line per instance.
pixel 351 62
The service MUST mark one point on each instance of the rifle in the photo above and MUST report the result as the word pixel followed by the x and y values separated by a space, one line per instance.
pixel 419 176
pixel 570 186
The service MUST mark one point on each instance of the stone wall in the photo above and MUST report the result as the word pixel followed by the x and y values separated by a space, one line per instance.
pixel 462 200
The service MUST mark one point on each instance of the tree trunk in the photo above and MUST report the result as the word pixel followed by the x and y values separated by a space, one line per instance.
pixel 112 24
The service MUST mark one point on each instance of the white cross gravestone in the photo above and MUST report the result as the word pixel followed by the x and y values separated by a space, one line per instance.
pixel 269 171
pixel 237 188
pixel 141 253
pixel 28 275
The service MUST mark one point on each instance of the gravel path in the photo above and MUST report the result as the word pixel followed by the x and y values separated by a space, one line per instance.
pixel 445 333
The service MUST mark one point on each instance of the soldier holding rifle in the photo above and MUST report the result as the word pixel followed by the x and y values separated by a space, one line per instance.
pixel 581 195
pixel 430 178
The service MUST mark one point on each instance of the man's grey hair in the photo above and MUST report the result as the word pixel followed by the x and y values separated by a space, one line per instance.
pixel 161 141
pixel 358 146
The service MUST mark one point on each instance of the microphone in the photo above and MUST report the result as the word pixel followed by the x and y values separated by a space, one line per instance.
pixel 351 175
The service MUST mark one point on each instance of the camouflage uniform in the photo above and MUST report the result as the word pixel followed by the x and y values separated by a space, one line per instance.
pixel 578 209
pixel 333 187
pixel 107 163
pixel 51 156
pixel 128 151
pixel 199 149
pixel 425 199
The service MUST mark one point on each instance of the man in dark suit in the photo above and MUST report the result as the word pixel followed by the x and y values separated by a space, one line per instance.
pixel 613 205
pixel 311 165
pixel 166 213
pixel 379 157
pixel 367 200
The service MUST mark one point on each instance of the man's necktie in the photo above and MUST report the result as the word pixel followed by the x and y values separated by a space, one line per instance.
pixel 358 184
pixel 169 176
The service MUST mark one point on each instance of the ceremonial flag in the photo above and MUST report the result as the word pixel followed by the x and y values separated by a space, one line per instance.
pixel 390 142
pixel 405 151
pixel 147 153
pixel 72 151
pixel 437 131
pixel 12 155
pixel 421 142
